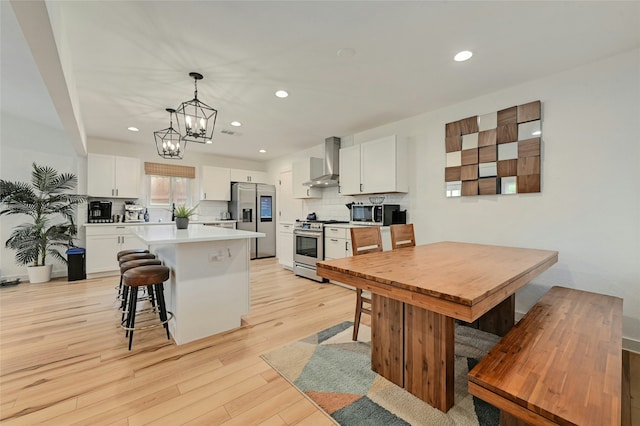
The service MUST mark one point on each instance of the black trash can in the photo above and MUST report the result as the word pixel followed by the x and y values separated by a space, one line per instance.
pixel 76 264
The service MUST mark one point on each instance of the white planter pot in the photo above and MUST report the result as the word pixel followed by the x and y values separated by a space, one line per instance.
pixel 39 274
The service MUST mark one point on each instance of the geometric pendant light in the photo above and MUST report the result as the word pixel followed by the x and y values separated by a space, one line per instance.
pixel 168 141
pixel 197 118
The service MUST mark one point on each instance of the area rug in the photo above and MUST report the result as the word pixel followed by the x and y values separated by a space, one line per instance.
pixel 335 373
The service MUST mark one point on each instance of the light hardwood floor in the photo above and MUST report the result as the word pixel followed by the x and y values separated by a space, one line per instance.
pixel 64 359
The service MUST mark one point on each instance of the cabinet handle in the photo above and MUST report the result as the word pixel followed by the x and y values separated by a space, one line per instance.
pixel 334 240
pixel 116 191
pixel 205 195
pixel 112 195
pixel 360 187
pixel 339 190
pixel 307 192
pixel 346 245
pixel 333 229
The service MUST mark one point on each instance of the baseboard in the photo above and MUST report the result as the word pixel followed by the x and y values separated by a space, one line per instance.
pixel 631 345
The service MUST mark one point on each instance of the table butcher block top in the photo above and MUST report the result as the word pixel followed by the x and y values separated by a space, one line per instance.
pixel 463 273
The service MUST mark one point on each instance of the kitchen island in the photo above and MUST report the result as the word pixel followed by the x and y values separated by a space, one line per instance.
pixel 209 289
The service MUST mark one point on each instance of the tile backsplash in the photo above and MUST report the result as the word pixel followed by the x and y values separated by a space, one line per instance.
pixel 332 205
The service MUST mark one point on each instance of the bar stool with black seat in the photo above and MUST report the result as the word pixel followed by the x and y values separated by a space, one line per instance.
pixel 364 239
pixel 125 266
pixel 402 236
pixel 143 276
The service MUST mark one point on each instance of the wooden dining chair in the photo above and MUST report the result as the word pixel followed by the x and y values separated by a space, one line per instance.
pixel 364 239
pixel 402 236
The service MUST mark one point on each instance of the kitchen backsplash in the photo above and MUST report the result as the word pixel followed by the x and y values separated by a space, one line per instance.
pixel 207 210
pixel 332 205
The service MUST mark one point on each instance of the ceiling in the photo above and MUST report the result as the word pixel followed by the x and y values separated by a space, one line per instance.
pixel 129 60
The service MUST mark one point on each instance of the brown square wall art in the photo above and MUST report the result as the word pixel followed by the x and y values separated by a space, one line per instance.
pixel 500 152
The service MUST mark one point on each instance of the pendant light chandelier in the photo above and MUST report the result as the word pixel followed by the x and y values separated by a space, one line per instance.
pixel 169 141
pixel 198 119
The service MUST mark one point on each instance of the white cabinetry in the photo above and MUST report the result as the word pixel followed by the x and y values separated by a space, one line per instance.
pixel 337 242
pixel 103 244
pixel 285 244
pixel 215 183
pixel 303 171
pixel 112 176
pixel 250 176
pixel 289 208
pixel 378 166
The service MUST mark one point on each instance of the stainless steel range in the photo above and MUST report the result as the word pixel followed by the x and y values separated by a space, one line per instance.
pixel 308 247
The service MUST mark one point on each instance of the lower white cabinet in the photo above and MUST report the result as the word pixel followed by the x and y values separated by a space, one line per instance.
pixel 285 244
pixel 337 242
pixel 103 244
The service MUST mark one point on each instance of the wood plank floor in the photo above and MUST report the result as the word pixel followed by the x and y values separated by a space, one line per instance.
pixel 64 359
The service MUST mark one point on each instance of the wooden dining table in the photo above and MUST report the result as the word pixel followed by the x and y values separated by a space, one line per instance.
pixel 418 293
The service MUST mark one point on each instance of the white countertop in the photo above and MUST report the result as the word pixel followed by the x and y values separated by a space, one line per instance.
pixel 169 234
pixel 193 222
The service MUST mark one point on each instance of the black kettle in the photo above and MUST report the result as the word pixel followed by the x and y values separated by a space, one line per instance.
pixel 311 216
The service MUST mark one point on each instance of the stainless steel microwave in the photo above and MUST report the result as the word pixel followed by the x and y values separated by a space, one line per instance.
pixel 376 214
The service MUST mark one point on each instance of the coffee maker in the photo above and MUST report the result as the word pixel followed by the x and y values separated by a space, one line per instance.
pixel 133 212
pixel 100 212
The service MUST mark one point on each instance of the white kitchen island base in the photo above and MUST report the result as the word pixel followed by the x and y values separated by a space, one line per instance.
pixel 209 287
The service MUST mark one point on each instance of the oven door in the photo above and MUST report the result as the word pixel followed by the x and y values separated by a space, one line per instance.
pixel 308 247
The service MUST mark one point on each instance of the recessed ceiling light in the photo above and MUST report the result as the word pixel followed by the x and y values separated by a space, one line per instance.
pixel 537 133
pixel 133 129
pixel 346 52
pixel 282 93
pixel 209 141
pixel 236 123
pixel 463 56
pixel 262 151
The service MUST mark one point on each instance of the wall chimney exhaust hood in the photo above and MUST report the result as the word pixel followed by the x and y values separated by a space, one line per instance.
pixel 331 165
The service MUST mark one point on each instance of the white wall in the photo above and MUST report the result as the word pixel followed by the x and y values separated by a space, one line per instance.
pixel 589 207
pixel 22 143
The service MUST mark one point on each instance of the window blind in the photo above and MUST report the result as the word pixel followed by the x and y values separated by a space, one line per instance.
pixel 160 169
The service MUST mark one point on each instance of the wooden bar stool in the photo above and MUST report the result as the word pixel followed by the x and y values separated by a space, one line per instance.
pixel 125 266
pixel 149 275
pixel 364 239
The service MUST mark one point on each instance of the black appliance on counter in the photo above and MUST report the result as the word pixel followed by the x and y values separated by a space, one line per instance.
pixel 100 212
pixel 377 214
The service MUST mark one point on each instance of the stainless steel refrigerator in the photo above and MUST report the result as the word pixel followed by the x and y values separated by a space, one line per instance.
pixel 253 206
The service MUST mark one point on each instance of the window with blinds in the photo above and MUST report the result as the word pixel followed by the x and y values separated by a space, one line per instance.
pixel 169 184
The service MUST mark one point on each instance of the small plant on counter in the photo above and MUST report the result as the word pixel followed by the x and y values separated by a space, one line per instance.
pixel 183 211
pixel 182 215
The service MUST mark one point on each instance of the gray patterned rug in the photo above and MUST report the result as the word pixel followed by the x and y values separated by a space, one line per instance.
pixel 335 373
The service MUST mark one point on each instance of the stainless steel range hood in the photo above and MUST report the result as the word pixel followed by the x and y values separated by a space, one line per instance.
pixel 331 165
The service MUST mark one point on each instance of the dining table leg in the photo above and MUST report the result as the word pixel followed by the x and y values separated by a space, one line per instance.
pixel 429 356
pixel 387 338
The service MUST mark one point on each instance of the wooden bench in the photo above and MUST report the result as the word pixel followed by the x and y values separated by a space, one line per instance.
pixel 560 365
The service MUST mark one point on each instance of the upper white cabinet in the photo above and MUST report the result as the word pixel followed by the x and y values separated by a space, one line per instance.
pixel 289 208
pixel 251 176
pixel 112 176
pixel 304 171
pixel 350 170
pixel 377 166
pixel 215 183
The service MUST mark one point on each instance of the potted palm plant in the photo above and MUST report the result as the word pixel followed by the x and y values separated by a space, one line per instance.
pixel 182 214
pixel 52 212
